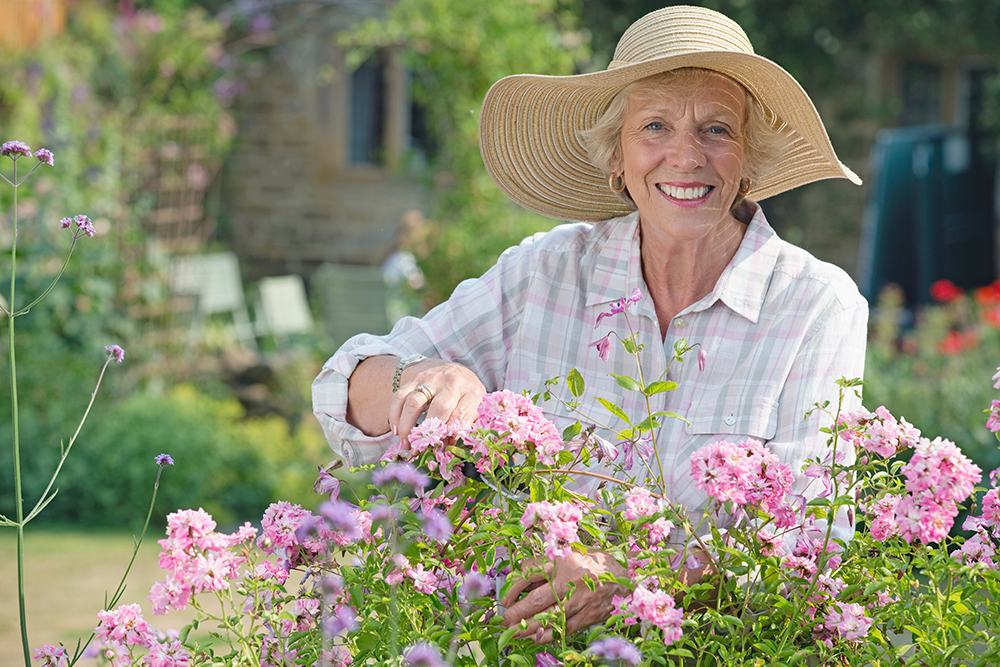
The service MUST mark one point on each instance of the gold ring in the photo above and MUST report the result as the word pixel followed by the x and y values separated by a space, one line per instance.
pixel 426 391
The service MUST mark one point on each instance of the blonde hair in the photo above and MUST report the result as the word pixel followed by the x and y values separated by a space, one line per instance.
pixel 763 142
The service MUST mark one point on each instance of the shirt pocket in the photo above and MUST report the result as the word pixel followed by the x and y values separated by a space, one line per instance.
pixel 749 416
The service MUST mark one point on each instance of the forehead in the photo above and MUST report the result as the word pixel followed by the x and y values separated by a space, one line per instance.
pixel 710 93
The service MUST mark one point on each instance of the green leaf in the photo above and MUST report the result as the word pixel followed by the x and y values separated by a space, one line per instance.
pixel 576 383
pixel 625 382
pixel 572 431
pixel 505 637
pixel 680 347
pixel 647 424
pixel 615 410
pixel 659 387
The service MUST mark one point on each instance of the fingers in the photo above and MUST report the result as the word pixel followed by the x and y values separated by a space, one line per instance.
pixel 529 578
pixel 447 391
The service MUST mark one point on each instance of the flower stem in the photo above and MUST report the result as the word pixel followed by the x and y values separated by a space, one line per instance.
pixel 45 498
pixel 18 500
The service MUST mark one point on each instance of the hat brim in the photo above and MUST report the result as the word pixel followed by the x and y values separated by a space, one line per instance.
pixel 530 125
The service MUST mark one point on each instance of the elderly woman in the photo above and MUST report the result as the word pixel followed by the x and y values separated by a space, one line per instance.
pixel 661 158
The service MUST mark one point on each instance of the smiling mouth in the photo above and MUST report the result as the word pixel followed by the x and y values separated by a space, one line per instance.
pixel 684 193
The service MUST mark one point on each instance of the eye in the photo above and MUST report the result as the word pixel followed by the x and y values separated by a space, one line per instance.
pixel 720 130
pixel 655 125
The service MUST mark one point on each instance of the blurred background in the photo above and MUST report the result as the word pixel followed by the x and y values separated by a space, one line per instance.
pixel 268 177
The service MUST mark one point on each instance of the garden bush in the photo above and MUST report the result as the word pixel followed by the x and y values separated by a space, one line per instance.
pixel 936 373
pixel 231 466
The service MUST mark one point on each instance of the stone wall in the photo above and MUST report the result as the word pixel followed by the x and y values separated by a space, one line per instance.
pixel 290 193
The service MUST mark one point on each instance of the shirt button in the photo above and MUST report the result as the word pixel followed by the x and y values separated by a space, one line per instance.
pixel 679 323
pixel 730 420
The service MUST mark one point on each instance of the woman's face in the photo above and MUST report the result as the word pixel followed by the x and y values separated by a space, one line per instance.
pixel 682 154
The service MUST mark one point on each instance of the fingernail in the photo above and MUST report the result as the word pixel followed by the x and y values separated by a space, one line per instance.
pixel 395 431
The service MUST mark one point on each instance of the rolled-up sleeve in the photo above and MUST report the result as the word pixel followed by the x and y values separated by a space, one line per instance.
pixel 472 328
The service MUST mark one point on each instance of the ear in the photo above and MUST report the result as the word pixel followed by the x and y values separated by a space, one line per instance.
pixel 616 160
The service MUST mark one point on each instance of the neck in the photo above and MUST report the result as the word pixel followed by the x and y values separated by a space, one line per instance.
pixel 680 272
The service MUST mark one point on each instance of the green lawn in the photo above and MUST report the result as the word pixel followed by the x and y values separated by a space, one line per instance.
pixel 68 572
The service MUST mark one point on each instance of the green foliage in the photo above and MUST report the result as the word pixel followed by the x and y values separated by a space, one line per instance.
pixel 84 94
pixel 231 466
pixel 937 375
pixel 457 49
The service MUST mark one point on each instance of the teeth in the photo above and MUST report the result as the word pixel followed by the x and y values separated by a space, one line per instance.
pixel 684 193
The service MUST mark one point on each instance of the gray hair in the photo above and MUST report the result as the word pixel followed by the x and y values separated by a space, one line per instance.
pixel 763 142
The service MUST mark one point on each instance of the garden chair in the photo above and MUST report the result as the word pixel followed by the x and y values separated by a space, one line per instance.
pixel 215 280
pixel 283 308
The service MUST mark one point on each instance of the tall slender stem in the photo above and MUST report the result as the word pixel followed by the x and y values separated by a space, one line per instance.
pixel 18 500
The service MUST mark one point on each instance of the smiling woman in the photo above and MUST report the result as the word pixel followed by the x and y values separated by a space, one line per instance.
pixel 662 158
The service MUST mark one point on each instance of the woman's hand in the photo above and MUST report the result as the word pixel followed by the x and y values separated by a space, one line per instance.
pixel 456 393
pixel 583 608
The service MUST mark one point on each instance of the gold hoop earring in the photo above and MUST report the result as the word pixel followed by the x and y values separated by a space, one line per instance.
pixel 620 178
pixel 745 184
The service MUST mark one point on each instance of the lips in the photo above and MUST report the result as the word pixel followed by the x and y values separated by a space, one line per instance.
pixel 684 194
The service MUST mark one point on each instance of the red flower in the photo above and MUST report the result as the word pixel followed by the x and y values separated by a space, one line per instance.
pixel 955 342
pixel 945 291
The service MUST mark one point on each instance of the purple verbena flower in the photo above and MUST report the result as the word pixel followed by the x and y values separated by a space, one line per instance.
pixel 475 586
pixel 15 149
pixel 437 526
pixel 424 654
pixel 164 460
pixel 342 517
pixel 616 648
pixel 46 156
pixel 66 222
pixel 115 352
pixel 403 473
pixel 84 223
pixel 342 619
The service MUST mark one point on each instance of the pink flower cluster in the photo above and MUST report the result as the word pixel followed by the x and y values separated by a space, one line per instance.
pixel 656 607
pixel 559 523
pixel 938 476
pixel 507 423
pixel 847 621
pixel 51 656
pixel 196 558
pixel 124 629
pixel 982 546
pixel 519 425
pixel 879 432
pixel 993 421
pixel 432 435
pixel 745 473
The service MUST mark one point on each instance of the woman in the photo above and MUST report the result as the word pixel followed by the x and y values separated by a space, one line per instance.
pixel 665 153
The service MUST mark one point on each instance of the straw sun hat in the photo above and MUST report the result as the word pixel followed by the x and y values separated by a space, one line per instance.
pixel 529 130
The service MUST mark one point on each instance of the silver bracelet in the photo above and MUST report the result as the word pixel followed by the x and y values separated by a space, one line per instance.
pixel 401 366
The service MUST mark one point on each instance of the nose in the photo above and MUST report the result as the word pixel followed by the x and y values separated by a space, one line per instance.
pixel 685 151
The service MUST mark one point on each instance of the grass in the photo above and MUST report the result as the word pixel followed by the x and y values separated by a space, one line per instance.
pixel 68 572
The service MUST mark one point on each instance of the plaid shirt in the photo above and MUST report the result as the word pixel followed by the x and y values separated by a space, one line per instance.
pixel 779 328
